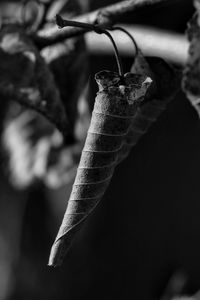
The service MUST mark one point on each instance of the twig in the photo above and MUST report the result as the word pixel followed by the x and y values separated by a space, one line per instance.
pixel 66 23
pixel 105 16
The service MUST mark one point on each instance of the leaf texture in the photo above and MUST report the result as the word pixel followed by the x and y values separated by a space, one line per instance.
pixel 115 106
pixel 166 82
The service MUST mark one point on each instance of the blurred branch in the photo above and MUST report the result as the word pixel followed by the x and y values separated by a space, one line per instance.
pixel 152 41
pixel 105 16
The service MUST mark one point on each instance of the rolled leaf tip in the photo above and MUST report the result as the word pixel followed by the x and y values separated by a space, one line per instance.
pixel 57 254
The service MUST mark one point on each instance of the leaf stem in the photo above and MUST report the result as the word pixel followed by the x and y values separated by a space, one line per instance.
pixel 128 33
pixel 96 28
pixel 107 15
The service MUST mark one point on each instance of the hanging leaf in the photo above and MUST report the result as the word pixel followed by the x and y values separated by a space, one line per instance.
pixel 191 75
pixel 166 82
pixel 115 105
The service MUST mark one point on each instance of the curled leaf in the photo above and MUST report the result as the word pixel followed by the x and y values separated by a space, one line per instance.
pixel 166 82
pixel 115 106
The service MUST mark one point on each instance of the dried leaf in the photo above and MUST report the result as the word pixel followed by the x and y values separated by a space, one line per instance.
pixel 115 105
pixel 191 75
pixel 166 82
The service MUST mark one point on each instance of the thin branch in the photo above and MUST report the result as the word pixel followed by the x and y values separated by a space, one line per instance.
pixel 66 23
pixel 105 16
